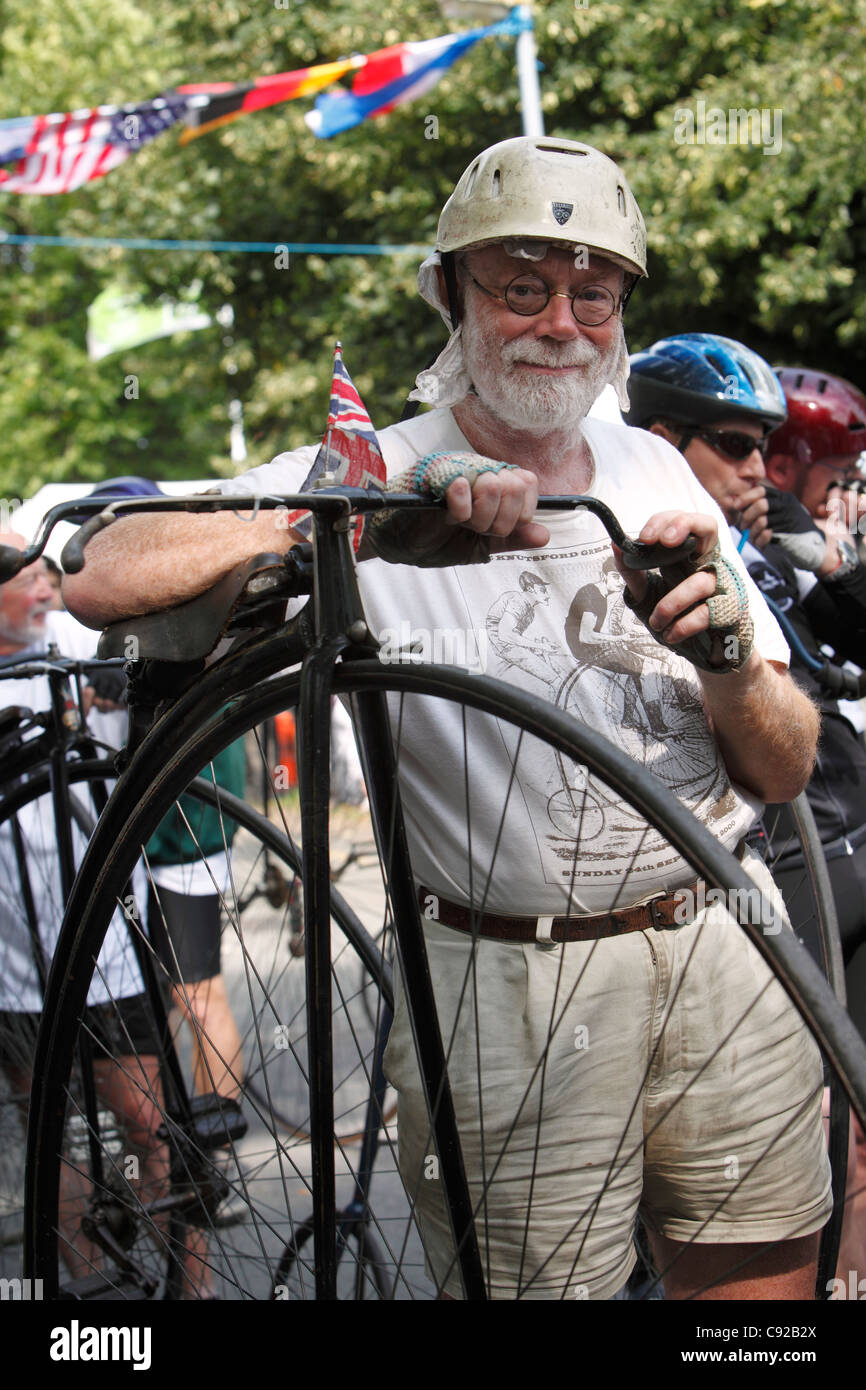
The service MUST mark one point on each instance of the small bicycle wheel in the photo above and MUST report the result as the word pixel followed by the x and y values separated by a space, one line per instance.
pixel 178 1233
pixel 606 824
pixel 362 1266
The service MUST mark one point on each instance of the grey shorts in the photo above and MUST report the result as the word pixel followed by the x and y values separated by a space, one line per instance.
pixel 664 1072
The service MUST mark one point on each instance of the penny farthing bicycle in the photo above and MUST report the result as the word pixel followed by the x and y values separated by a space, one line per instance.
pixel 243 1209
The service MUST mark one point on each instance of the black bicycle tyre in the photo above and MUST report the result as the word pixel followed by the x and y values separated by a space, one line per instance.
pixel 788 960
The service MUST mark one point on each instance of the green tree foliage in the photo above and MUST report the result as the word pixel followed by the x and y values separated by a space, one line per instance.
pixel 766 247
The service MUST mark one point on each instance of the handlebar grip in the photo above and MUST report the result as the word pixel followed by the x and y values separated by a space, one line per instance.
pixel 72 556
pixel 637 555
pixel 11 562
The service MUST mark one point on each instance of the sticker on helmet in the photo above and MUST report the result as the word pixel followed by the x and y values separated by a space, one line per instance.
pixel 562 212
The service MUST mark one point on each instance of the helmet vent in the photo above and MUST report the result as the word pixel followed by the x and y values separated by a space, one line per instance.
pixel 560 149
pixel 822 385
pixel 470 179
pixel 497 183
pixel 620 199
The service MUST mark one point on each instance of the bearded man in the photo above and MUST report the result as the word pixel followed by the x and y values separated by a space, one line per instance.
pixel 538 249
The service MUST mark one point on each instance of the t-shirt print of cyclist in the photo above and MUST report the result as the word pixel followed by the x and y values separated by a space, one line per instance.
pixel 514 636
pixel 564 626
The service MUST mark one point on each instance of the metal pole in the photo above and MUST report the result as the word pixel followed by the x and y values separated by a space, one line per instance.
pixel 527 74
pixel 527 58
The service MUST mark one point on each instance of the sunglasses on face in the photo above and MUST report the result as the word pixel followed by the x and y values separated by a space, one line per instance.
pixel 734 444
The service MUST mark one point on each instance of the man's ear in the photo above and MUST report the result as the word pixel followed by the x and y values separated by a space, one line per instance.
pixel 662 430
pixel 782 471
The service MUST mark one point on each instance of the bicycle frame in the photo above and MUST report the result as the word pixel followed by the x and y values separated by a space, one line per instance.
pixel 340 630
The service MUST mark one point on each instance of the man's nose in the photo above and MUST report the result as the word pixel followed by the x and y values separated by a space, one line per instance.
pixel 753 466
pixel 556 319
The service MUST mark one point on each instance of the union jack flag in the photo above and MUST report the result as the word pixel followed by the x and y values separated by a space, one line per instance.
pixel 61 152
pixel 349 453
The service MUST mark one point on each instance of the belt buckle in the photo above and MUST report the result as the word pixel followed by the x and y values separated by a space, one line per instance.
pixel 653 912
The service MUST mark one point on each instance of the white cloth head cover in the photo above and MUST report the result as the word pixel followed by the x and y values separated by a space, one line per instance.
pixel 447 381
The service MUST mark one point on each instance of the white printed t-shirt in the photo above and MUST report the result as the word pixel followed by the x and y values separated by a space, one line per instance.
pixel 553 622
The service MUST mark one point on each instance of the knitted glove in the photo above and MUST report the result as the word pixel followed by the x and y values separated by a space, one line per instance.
pixel 728 643
pixel 427 538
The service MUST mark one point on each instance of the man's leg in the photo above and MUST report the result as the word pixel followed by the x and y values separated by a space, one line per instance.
pixel 218 1051
pixel 736 1167
pixel 786 1270
pixel 546 1078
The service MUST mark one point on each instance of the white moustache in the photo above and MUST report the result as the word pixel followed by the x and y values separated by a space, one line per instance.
pixel 576 354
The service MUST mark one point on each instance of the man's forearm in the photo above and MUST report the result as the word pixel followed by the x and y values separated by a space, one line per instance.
pixel 766 727
pixel 142 564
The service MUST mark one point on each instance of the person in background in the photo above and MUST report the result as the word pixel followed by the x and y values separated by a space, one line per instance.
pixel 189 876
pixel 722 406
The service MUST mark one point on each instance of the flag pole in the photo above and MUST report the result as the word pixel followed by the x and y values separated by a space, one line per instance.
pixel 526 55
pixel 329 471
pixel 527 75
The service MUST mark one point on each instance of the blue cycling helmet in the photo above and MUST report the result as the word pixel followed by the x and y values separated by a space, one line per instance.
pixel 699 378
pixel 114 490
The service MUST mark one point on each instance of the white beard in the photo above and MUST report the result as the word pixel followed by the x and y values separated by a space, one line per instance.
pixel 27 633
pixel 530 403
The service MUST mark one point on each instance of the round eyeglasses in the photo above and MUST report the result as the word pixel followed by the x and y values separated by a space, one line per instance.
pixel 529 294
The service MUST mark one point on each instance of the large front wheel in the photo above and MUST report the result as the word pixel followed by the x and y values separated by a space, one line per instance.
pixel 580 1073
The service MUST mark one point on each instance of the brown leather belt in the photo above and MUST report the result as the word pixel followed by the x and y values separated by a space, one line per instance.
pixel 662 912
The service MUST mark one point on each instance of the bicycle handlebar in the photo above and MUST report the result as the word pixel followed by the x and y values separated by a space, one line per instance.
pixel 636 555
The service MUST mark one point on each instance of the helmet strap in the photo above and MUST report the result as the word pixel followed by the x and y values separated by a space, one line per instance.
pixel 450 272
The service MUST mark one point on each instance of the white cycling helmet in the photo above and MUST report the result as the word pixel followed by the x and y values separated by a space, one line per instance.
pixel 529 193
pixel 544 189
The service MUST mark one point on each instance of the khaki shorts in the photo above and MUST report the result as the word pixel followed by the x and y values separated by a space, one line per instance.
pixel 664 1071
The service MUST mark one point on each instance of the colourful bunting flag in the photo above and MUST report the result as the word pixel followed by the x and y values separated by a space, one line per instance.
pixel 222 102
pixel 395 75
pixel 61 152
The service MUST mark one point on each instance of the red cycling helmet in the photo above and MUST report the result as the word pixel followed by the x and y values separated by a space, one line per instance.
pixel 826 417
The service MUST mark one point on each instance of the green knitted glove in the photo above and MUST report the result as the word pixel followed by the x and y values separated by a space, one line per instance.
pixel 727 644
pixel 426 538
